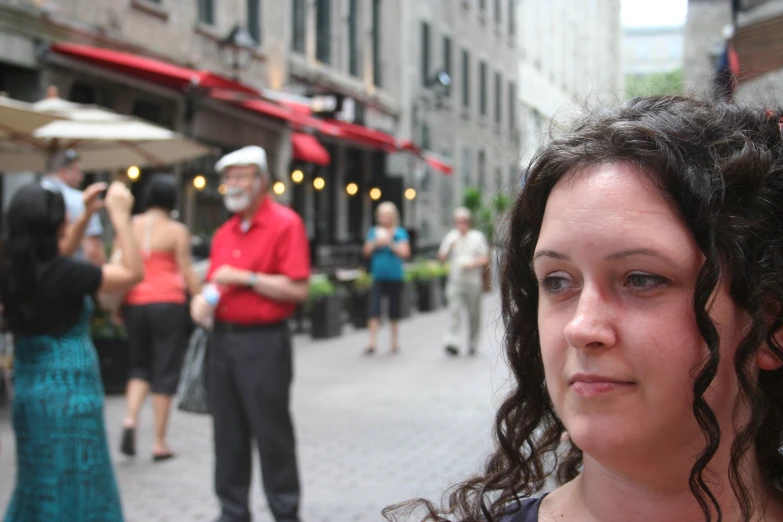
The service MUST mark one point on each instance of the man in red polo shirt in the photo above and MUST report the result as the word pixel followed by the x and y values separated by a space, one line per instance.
pixel 260 262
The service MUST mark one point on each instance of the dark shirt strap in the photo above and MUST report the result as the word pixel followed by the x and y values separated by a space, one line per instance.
pixel 527 512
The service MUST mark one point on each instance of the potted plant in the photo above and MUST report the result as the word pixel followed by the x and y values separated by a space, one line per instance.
pixel 486 219
pixel 325 309
pixel 111 344
pixel 428 286
pixel 359 300
pixel 406 297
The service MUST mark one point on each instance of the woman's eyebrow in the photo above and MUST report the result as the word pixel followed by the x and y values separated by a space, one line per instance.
pixel 641 252
pixel 551 253
pixel 622 254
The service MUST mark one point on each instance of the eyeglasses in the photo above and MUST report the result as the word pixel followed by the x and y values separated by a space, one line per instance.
pixel 236 178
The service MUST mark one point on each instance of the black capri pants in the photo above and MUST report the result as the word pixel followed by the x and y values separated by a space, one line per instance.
pixel 157 341
pixel 389 289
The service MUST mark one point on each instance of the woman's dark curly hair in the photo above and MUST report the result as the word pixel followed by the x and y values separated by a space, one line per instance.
pixel 721 167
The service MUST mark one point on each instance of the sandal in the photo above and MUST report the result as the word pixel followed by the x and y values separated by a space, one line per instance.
pixel 370 350
pixel 128 444
pixel 163 456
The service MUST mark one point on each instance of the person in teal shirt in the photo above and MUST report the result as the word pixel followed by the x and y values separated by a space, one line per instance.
pixel 388 246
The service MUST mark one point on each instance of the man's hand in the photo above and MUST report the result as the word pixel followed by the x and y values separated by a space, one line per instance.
pixel 91 197
pixel 201 311
pixel 228 275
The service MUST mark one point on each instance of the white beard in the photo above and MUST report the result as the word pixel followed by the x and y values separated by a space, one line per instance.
pixel 238 200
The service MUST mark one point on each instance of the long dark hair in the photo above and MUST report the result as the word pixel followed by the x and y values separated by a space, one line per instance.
pixel 721 167
pixel 30 241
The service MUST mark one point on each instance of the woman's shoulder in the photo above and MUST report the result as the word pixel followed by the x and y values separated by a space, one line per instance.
pixel 525 511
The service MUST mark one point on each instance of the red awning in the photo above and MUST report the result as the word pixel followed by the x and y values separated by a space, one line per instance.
pixel 308 149
pixel 150 69
pixel 439 163
pixel 267 108
pixel 362 135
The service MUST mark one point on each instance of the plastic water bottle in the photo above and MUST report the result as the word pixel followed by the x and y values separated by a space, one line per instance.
pixel 211 295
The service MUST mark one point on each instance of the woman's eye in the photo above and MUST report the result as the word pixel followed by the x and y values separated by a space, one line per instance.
pixel 642 281
pixel 554 284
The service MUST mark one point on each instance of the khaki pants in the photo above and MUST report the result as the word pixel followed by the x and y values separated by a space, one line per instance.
pixel 463 295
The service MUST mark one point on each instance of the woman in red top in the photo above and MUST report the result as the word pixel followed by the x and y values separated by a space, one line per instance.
pixel 155 312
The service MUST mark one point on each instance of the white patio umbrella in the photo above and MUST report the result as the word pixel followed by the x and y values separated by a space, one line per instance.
pixel 104 139
pixel 19 119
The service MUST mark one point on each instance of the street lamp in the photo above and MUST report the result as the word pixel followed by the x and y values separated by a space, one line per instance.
pixel 238 50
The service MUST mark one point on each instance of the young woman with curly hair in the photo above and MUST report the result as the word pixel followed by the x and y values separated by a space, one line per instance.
pixel 643 302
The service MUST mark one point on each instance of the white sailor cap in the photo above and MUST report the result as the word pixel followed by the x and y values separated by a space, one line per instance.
pixel 252 155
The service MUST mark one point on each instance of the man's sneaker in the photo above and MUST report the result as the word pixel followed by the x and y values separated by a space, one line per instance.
pixel 452 350
pixel 472 351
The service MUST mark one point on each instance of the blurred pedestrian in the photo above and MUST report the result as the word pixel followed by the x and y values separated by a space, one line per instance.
pixel 642 293
pixel 387 245
pixel 260 263
pixel 467 251
pixel 63 466
pixel 83 237
pixel 155 312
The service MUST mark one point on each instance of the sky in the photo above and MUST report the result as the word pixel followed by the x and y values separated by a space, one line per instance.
pixel 645 13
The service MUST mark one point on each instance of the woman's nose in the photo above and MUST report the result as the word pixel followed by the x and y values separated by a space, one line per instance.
pixel 593 323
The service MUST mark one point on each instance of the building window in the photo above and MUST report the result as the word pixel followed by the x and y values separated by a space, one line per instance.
pixel 323 31
pixel 466 177
pixel 353 42
pixel 447 60
pixel 482 4
pixel 512 106
pixel 498 180
pixel 206 12
pixel 465 79
pixel 299 23
pixel 376 43
pixel 512 17
pixel 482 167
pixel 254 19
pixel 483 88
pixel 498 99
pixel 498 12
pixel 425 53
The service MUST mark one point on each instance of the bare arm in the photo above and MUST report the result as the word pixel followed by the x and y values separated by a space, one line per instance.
pixel 93 250
pixel 184 262
pixel 119 277
pixel 74 233
pixel 277 287
pixel 368 248
pixel 402 249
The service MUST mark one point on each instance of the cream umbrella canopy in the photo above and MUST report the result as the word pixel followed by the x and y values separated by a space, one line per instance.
pixel 19 119
pixel 104 140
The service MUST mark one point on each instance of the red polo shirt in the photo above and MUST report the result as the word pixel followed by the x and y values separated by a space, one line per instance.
pixel 275 243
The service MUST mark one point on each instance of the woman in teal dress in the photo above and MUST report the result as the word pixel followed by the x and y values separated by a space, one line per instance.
pixel 64 471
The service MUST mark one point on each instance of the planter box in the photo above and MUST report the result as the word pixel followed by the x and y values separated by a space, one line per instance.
pixel 406 301
pixel 114 361
pixel 430 295
pixel 326 317
pixel 359 308
pixel 443 282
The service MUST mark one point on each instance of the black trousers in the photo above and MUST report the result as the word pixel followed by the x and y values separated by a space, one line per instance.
pixel 250 376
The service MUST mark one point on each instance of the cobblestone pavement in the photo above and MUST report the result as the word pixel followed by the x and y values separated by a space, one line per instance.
pixel 371 431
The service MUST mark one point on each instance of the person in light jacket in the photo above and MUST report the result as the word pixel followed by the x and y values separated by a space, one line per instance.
pixel 467 252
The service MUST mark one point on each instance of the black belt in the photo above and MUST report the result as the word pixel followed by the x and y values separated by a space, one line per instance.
pixel 229 328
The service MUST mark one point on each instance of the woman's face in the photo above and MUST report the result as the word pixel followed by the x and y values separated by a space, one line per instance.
pixel 617 270
pixel 386 217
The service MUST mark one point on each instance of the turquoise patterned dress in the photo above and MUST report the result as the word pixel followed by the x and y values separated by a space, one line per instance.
pixel 64 472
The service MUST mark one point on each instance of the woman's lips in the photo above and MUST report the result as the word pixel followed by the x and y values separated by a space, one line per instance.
pixel 593 385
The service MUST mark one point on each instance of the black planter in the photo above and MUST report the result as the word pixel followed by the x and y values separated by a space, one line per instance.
pixel 114 361
pixel 443 282
pixel 406 301
pixel 430 295
pixel 359 308
pixel 326 319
